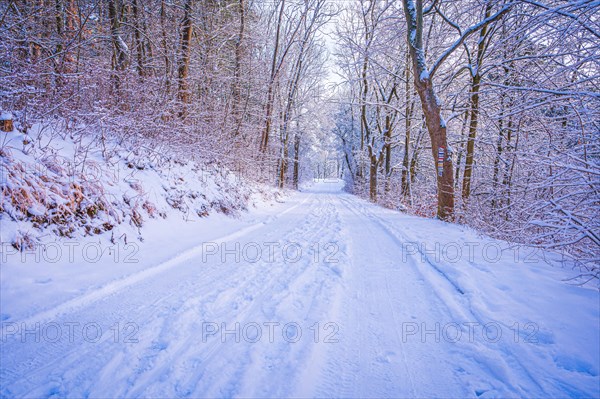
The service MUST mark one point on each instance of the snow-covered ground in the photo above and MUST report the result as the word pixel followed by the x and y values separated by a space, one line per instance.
pixel 73 183
pixel 324 295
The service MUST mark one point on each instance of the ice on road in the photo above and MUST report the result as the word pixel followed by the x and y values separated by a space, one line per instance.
pixel 325 296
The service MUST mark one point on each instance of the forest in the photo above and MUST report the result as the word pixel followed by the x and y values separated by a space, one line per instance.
pixel 484 113
pixel 300 198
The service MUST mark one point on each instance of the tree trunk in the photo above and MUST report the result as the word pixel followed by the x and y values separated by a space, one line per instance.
pixel 60 24
pixel 466 186
pixel 439 147
pixel 405 185
pixel 296 160
pixel 237 83
pixel 72 26
pixel 460 148
pixel 414 161
pixel 375 160
pixel 498 170
pixel 165 48
pixel 388 145
pixel 432 111
pixel 121 52
pixel 120 58
pixel 60 29
pixel 137 35
pixel 475 81
pixel 184 60
pixel 373 180
pixel 283 164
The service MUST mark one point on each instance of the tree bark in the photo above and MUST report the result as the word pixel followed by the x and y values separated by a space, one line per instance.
pixel 120 58
pixel 373 179
pixel 475 82
pixel 296 161
pixel 165 49
pixel 121 52
pixel 405 183
pixel 431 109
pixel 237 83
pixel 283 165
pixel 375 160
pixel 184 60
pixel 137 35
pixel 60 40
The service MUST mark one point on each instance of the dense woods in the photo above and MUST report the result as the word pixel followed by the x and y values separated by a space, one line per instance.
pixel 485 113
pixel 206 77
pixel 490 106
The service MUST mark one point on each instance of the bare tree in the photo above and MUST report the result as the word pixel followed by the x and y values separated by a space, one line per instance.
pixel 183 68
pixel 432 109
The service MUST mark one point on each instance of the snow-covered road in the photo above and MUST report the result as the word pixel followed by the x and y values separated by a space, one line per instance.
pixel 325 296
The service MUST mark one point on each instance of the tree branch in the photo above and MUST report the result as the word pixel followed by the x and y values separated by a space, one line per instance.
pixel 468 32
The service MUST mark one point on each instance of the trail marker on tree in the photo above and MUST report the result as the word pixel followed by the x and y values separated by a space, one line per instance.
pixel 440 162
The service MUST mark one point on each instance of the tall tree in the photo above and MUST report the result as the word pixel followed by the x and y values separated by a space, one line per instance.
pixel 183 68
pixel 120 54
pixel 432 109
pixel 475 69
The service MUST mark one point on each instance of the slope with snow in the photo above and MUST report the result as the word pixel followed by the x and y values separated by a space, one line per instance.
pixel 325 295
pixel 74 182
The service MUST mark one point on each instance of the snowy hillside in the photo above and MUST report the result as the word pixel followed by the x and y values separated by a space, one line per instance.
pixel 58 181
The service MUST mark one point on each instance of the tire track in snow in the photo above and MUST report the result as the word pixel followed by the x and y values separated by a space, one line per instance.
pixel 385 363
pixel 404 360
pixel 117 285
pixel 258 289
pixel 311 296
pixel 186 367
pixel 262 362
pixel 46 357
pixel 461 309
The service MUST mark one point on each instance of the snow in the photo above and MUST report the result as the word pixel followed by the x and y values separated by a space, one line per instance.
pixel 73 180
pixel 413 36
pixel 5 115
pixel 323 295
pixel 424 75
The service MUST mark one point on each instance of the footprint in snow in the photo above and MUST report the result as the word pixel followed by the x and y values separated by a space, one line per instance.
pixel 573 364
pixel 385 357
pixel 159 346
